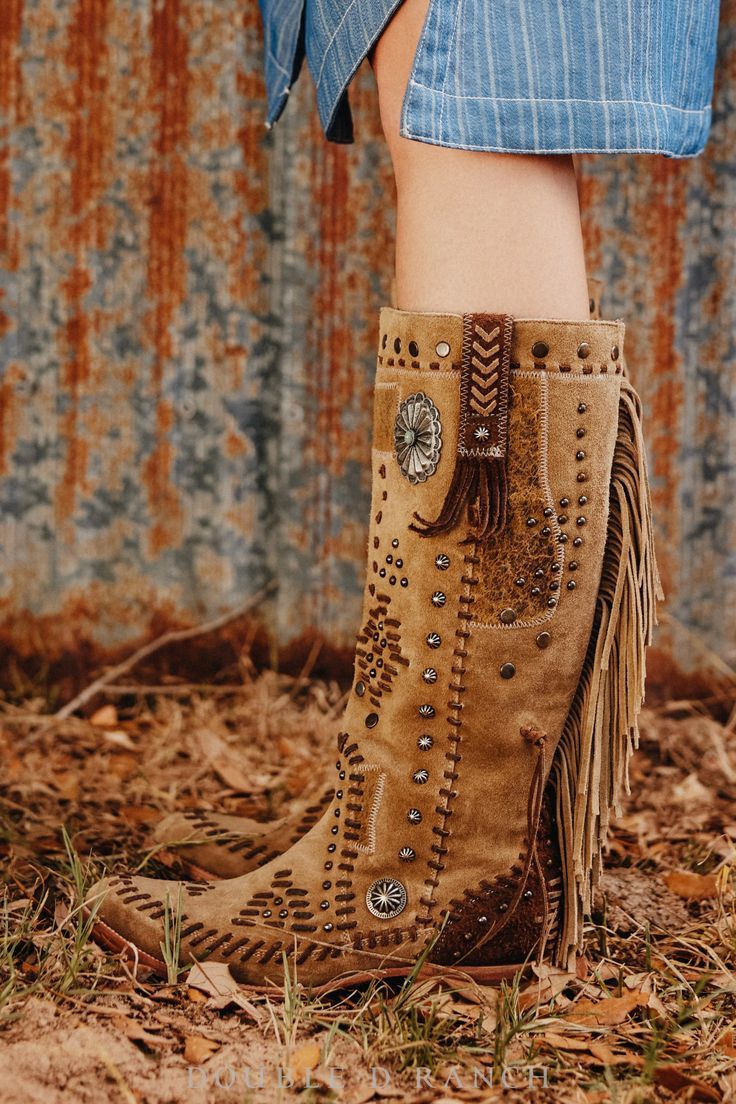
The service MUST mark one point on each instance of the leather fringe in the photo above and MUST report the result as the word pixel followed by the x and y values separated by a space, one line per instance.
pixel 591 764
pixel 480 490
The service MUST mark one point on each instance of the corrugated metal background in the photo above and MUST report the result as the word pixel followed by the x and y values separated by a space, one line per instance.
pixel 187 317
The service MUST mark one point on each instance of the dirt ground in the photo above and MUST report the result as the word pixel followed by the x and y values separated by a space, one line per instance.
pixel 651 1018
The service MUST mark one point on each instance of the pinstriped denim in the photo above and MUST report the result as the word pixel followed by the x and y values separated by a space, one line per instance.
pixel 537 76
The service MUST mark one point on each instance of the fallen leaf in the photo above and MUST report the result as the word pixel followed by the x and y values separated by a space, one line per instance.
pixel 138 1034
pixel 565 1042
pixel 119 738
pixel 609 1011
pixel 105 716
pixel 197 1049
pixel 215 980
pixel 727 1044
pixel 305 1057
pixel 698 887
pixel 675 1079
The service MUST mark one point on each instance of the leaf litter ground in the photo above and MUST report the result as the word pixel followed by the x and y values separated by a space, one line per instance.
pixel 650 1015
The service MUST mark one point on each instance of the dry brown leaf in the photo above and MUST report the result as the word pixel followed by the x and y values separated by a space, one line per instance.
pixel 215 980
pixel 565 1042
pixel 675 1079
pixel 609 1011
pixel 698 887
pixel 198 1049
pixel 727 1044
pixel 118 738
pixel 105 716
pixel 196 996
pixel 305 1057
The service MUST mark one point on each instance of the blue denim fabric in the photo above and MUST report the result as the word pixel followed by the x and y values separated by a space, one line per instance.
pixel 536 76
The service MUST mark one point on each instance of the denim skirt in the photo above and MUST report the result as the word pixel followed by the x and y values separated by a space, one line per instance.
pixel 515 76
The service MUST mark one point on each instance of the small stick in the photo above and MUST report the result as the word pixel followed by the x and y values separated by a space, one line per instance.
pixel 172 637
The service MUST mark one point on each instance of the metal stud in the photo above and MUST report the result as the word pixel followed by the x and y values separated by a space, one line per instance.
pixel 555 567
pixel 540 349
pixel 554 585
pixel 429 675
pixel 562 539
pixel 332 847
pixel 329 864
pixel 539 573
pixel 528 894
pixel 583 350
pixel 521 581
pixel 284 913
pixel 426 710
pixel 536 592
pixel 548 511
pixel 562 518
pixel 546 531
pixel 386 898
pixel 582 521
pixel 543 639
pixel 420 777
pixel 413 349
pixel 573 565
pixel 389 558
pixel 327 927
pixel 442 349
pixel 395 542
pixel 397 345
pixel 424 743
pixel 414 816
pixel 327 885
pixel 439 599
pixel 360 688
pixel 571 584
pixel 404 582
pixel 407 854
pixel 507 671
pixel 334 829
pixel 441 561
pixel 580 454
pixel 392 580
pixel 615 352
pixel 564 502
pixel 507 616
pixel 267 913
pixel 399 562
pixel 582 407
pixel 324 905
pixel 434 640
pixel 371 720
pixel 578 541
pixel 531 522
pixel 551 602
pixel 583 500
pixel 384 339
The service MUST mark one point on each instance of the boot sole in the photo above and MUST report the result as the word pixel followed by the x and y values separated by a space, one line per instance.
pixel 111 940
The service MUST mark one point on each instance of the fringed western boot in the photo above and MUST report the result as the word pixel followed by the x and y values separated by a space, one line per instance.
pixel 511 592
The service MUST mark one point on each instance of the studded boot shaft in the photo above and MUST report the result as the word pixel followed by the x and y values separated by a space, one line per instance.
pixel 499 670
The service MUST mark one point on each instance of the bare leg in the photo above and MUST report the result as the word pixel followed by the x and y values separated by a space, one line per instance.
pixel 477 231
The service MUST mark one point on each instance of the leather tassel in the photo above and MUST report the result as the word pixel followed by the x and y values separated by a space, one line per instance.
pixel 478 491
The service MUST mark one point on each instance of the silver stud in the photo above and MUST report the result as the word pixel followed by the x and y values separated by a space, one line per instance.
pixel 267 913
pixel 583 350
pixel 414 816
pixel 441 561
pixel 324 905
pixel 327 927
pixel 507 616
pixel 426 710
pixel 540 349
pixel 371 720
pixel 407 854
pixel 442 349
pixel 360 689
pixel 508 671
pixel 420 777
pixel 434 639
pixel 386 898
pixel 424 743
pixel 439 599
pixel 429 675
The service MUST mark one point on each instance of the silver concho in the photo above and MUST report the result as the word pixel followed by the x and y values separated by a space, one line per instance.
pixel 386 898
pixel 418 437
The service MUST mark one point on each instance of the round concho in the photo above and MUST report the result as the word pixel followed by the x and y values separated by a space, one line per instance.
pixel 386 898
pixel 418 437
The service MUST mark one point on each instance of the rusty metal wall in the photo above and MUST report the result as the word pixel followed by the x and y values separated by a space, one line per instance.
pixel 188 310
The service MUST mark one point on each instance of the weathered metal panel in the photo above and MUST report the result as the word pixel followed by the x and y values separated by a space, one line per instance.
pixel 188 312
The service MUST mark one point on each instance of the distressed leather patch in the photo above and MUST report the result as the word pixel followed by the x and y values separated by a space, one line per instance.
pixel 515 569
pixel 374 780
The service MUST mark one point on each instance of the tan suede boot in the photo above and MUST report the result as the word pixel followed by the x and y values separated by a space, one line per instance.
pixel 208 845
pixel 511 592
